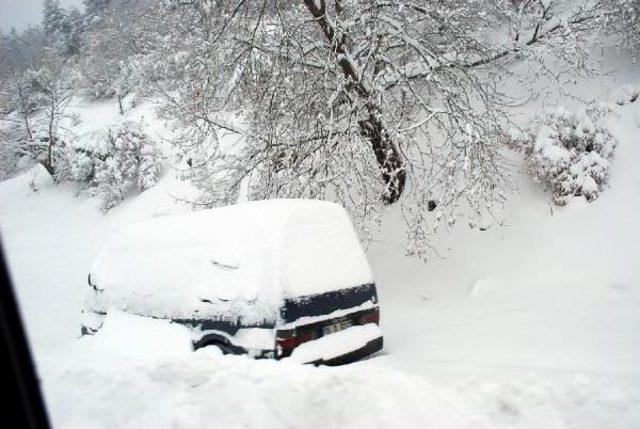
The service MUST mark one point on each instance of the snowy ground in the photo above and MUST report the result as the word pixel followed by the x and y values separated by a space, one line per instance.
pixel 531 325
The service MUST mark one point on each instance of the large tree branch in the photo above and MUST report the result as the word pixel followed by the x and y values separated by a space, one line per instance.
pixel 539 34
pixel 371 127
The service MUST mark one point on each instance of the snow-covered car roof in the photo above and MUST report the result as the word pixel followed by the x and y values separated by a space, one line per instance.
pixel 222 259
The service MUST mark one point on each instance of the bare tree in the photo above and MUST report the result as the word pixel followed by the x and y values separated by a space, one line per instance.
pixel 627 19
pixel 19 54
pixel 368 102
pixel 53 84
pixel 115 45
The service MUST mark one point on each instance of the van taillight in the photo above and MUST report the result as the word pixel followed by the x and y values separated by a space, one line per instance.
pixel 288 340
pixel 287 343
pixel 372 316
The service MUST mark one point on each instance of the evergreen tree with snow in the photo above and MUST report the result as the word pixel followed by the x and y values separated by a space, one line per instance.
pixel 63 30
pixel 54 20
pixel 94 9
pixel 75 27
pixel 124 160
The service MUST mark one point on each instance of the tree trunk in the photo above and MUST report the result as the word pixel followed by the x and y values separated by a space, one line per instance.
pixel 25 112
pixel 48 163
pixel 28 127
pixel 386 153
pixel 391 165
pixel 120 105
pixel 47 166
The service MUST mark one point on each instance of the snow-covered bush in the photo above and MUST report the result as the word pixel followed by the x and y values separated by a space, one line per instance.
pixel 19 150
pixel 82 166
pixel 569 152
pixel 123 160
pixel 9 149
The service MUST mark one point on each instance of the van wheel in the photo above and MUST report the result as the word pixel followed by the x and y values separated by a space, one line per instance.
pixel 220 346
pixel 220 342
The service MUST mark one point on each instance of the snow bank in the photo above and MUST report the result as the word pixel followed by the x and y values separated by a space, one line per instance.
pixel 210 390
pixel 238 261
pixel 207 389
pixel 130 336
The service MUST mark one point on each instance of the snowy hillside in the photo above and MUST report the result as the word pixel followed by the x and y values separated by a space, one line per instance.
pixel 485 152
pixel 527 325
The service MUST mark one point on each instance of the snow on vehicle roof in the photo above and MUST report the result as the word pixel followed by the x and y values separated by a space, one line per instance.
pixel 232 260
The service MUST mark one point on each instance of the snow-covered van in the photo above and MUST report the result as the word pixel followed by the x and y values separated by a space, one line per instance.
pixel 276 279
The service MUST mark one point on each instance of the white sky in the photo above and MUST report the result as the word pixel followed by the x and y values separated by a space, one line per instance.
pixel 21 13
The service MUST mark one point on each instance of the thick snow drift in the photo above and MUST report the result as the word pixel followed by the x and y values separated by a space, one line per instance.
pixel 129 336
pixel 236 261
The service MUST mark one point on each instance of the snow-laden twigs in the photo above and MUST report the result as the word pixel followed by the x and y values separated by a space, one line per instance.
pixel 369 103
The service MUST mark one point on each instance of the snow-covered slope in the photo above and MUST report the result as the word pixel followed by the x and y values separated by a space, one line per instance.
pixel 534 324
pixel 554 288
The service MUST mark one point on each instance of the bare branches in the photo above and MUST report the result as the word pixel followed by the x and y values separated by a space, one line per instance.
pixel 366 102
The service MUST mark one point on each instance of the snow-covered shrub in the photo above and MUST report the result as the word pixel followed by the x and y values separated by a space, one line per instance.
pixel 569 152
pixel 20 150
pixel 82 166
pixel 9 160
pixel 122 160
pixel 9 151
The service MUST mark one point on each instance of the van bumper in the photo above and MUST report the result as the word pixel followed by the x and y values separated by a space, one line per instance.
pixel 370 348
